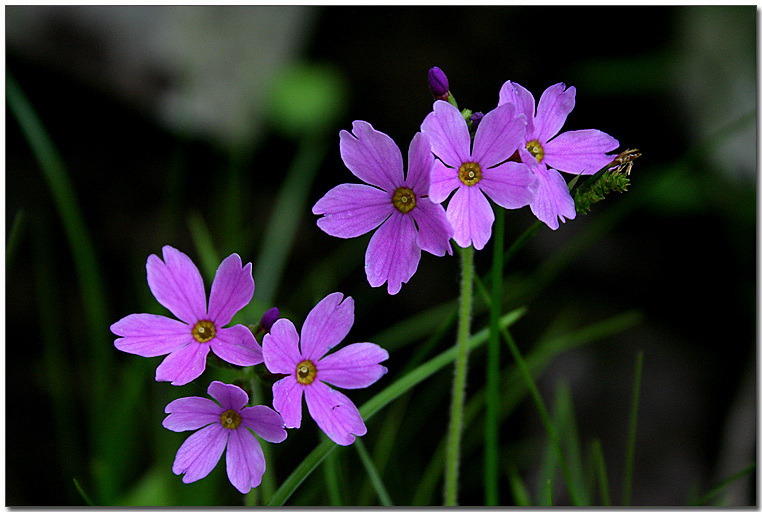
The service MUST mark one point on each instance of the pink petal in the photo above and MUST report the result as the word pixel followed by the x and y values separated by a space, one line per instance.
pixel 177 285
pixel 554 106
pixel 191 413
pixel 280 347
pixel 244 460
pixel 580 151
pixel 448 133
pixel 443 180
pixel 334 413
pixel 287 400
pixel 511 92
pixel 471 217
pixel 352 210
pixel 237 345
pixel 354 366
pixel 265 422
pixel 183 365
pixel 553 199
pixel 150 335
pixel 326 325
pixel 372 156
pixel 499 135
pixel 393 254
pixel 434 230
pixel 200 453
pixel 419 164
pixel 511 185
pixel 232 289
pixel 229 396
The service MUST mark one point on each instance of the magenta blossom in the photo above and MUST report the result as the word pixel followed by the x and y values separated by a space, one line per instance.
pixel 226 422
pixel 308 372
pixel 478 173
pixel 409 220
pixel 575 152
pixel 176 283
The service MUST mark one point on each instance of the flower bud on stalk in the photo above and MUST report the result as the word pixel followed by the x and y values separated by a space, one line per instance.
pixel 440 86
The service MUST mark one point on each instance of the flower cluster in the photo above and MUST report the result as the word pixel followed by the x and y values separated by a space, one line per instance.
pixel 229 421
pixel 510 155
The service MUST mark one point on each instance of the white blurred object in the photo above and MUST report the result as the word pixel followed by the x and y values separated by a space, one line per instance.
pixel 199 70
pixel 716 77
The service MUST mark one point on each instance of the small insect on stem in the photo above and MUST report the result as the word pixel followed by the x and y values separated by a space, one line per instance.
pixel 624 161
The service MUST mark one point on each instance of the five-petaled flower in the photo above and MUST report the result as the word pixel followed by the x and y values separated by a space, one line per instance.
pixel 225 422
pixel 177 285
pixel 475 174
pixel 308 372
pixel 575 152
pixel 409 220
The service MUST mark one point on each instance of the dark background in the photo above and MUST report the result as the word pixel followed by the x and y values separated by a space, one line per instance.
pixel 161 113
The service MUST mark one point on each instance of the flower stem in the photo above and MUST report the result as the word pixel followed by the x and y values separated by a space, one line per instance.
pixel 452 457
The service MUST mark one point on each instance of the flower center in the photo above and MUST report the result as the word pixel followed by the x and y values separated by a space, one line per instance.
pixel 403 199
pixel 535 148
pixel 230 419
pixel 203 331
pixel 470 173
pixel 305 372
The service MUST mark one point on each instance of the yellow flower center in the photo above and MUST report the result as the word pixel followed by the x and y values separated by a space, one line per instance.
pixel 203 331
pixel 403 199
pixel 535 148
pixel 230 419
pixel 305 372
pixel 470 173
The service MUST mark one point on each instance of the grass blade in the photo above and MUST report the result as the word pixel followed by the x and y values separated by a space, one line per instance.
pixel 82 493
pixel 370 468
pixel 600 466
pixel 14 238
pixel 202 238
pixel 717 489
pixel 330 472
pixel 631 431
pixel 519 491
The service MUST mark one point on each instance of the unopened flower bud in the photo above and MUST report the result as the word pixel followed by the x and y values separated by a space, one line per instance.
pixel 476 118
pixel 268 319
pixel 438 84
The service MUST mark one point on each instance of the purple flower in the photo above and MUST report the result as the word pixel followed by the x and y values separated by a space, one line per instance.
pixel 223 425
pixel 576 152
pixel 309 373
pixel 478 173
pixel 176 283
pixel 396 203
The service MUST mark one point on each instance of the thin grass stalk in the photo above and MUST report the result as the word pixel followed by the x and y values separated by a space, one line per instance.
pixel 452 458
pixel 370 468
pixel 491 436
pixel 331 476
pixel 543 412
pixel 603 480
pixel 14 238
pixel 631 433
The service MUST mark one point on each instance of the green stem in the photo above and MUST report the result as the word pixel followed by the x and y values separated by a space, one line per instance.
pixel 491 441
pixel 452 458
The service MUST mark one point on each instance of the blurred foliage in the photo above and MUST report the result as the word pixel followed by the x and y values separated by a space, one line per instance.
pixel 97 180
